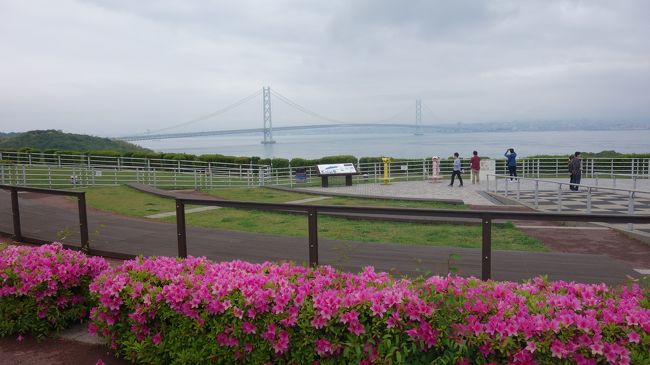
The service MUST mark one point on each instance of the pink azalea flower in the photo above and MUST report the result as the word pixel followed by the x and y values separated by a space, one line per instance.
pixel 156 339
pixel 531 346
pixel 633 337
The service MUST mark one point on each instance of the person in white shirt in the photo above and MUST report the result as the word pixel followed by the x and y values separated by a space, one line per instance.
pixel 456 171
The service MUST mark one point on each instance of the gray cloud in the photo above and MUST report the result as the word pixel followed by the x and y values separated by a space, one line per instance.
pixel 119 67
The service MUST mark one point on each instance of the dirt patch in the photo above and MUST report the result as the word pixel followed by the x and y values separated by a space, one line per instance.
pixel 598 242
pixel 607 242
pixel 54 351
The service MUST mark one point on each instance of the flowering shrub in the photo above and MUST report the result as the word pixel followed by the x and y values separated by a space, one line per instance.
pixel 173 311
pixel 44 288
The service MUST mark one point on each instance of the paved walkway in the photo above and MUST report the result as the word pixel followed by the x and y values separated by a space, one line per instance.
pixel 468 194
pixel 50 217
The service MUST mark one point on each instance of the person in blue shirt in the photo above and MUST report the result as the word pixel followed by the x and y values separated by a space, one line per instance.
pixel 456 171
pixel 512 162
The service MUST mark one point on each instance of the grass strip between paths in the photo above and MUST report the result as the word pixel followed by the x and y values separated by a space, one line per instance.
pixel 124 200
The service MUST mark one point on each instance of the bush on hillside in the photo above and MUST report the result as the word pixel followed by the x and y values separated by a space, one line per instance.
pixel 338 159
pixel 44 289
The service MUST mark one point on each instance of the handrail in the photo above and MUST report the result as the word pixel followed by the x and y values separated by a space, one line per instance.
pixel 81 206
pixel 43 190
pixel 568 183
pixel 643 176
pixel 312 211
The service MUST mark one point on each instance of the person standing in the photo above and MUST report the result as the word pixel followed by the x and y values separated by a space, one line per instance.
pixel 456 171
pixel 475 166
pixel 512 162
pixel 576 171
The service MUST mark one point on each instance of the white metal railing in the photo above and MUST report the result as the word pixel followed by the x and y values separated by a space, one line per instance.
pixel 613 177
pixel 57 170
pixel 513 186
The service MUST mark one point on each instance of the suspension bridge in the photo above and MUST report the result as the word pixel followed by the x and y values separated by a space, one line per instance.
pixel 267 121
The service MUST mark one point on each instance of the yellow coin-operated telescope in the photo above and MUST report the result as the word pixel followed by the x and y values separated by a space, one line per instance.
pixel 386 178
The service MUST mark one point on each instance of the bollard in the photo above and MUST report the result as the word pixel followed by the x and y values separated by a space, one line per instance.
pixel 486 249
pixel 180 229
pixel 15 210
pixel 83 222
pixel 313 236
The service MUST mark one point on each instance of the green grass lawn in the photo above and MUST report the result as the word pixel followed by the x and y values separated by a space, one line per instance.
pixel 127 201
pixel 124 200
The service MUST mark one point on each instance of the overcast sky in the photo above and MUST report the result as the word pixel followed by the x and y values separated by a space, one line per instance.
pixel 119 67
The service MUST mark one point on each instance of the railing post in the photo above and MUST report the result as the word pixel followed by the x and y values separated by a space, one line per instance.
pixel 505 192
pixel 424 170
pixel 83 222
pixel 614 181
pixel 486 249
pixel 15 210
pixel 630 209
pixel 559 197
pixel 518 187
pixel 536 194
pixel 312 215
pixel 589 200
pixel 180 228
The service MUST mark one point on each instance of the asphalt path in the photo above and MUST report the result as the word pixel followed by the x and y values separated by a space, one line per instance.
pixel 52 218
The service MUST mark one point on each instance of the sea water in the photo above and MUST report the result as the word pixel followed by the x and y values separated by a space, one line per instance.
pixel 404 144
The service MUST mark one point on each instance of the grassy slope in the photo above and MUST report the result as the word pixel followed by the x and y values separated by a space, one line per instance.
pixel 127 201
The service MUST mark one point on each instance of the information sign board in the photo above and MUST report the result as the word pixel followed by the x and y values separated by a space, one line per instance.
pixel 336 169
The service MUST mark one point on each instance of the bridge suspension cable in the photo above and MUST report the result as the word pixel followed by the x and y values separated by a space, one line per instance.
pixel 305 110
pixel 213 114
pixel 433 114
pixel 394 116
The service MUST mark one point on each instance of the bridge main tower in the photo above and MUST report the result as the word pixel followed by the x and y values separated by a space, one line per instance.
pixel 418 117
pixel 266 115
